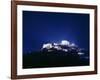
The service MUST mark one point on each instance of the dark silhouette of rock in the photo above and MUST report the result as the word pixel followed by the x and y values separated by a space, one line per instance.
pixel 56 56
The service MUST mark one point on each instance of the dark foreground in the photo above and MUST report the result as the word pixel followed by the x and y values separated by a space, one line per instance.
pixel 53 59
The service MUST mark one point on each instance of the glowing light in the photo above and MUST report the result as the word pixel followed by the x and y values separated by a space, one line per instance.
pixel 80 53
pixel 65 50
pixel 55 44
pixel 65 42
pixel 48 45
pixel 73 44
pixel 57 47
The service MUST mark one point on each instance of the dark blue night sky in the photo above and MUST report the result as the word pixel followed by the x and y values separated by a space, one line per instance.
pixel 44 27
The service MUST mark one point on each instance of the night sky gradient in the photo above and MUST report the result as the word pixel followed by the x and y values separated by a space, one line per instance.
pixel 44 27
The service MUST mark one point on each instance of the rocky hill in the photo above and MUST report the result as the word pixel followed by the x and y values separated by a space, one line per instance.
pixel 56 55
